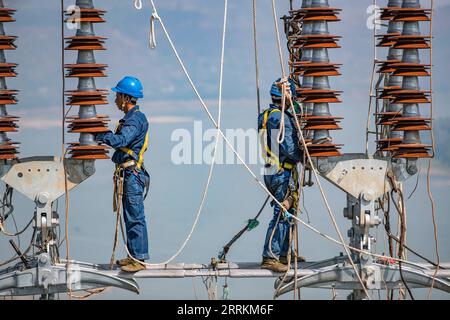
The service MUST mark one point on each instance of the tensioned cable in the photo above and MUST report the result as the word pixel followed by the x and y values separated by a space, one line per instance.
pixel 238 156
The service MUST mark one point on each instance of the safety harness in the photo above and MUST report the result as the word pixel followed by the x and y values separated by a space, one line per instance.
pixel 272 159
pixel 137 163
pixel 269 156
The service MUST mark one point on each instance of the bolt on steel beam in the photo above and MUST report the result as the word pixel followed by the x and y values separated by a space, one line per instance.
pixel 87 96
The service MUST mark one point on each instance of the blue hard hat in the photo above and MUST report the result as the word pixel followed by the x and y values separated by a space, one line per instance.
pixel 275 90
pixel 130 86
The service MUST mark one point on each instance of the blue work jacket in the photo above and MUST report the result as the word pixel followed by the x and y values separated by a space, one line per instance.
pixel 130 134
pixel 289 150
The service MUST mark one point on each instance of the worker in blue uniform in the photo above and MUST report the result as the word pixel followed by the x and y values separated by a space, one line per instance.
pixel 281 176
pixel 130 141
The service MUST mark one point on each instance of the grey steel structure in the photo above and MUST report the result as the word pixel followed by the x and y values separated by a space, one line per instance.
pixel 366 179
pixel 45 273
pixel 363 179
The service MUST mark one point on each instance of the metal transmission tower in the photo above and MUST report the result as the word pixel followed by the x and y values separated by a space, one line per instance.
pixel 363 178
pixel 45 179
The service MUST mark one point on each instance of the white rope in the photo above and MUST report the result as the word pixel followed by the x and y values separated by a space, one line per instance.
pixel 230 145
pixel 255 45
pixel 152 36
pixel 219 118
pixel 138 4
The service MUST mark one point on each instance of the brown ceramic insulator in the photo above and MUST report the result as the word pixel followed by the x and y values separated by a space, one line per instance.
pixel 90 125
pixel 324 150
pixel 411 42
pixel 316 41
pixel 389 144
pixel 387 118
pixel 410 96
pixel 85 70
pixel 322 123
pixel 398 95
pixel 88 152
pixel 8 150
pixel 316 14
pixel 8 96
pixel 81 98
pixel 8 124
pixel 318 96
pixel 7 42
pixel 388 13
pixel 6 15
pixel 412 124
pixel 387 40
pixel 410 69
pixel 85 43
pixel 310 69
pixel 385 66
pixel 86 15
pixel 8 69
pixel 412 151
pixel 402 69
pixel 411 14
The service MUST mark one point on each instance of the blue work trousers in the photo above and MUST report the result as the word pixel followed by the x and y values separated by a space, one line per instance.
pixel 133 213
pixel 278 185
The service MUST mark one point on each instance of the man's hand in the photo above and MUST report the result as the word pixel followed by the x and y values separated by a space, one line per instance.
pixel 287 204
pixel 99 136
pixel 285 85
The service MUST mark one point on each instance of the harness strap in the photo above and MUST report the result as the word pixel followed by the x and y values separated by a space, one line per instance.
pixel 139 158
pixel 268 155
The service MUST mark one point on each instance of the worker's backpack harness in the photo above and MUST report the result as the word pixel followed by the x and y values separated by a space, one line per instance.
pixel 136 164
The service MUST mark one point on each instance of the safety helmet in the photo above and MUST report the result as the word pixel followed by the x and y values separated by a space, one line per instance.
pixel 130 86
pixel 275 90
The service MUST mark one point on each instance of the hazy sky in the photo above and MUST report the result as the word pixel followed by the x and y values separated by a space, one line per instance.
pixel 195 26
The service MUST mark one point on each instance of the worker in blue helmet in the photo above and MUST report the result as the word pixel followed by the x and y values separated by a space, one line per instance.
pixel 130 141
pixel 281 154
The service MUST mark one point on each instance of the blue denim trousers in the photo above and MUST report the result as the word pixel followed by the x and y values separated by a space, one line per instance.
pixel 278 185
pixel 133 213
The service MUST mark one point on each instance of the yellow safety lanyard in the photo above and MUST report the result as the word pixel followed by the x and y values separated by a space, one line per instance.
pixel 268 155
pixel 139 158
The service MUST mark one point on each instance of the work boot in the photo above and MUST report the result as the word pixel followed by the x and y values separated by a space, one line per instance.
pixel 273 265
pixel 283 259
pixel 123 262
pixel 133 266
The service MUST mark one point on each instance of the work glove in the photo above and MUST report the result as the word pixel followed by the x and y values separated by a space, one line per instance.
pixel 99 136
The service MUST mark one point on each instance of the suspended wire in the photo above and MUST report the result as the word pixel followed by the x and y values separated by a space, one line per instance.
pixel 430 161
pixel 255 45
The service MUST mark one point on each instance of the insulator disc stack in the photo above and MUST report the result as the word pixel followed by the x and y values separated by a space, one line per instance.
pixel 401 121
pixel 87 123
pixel 311 67
pixel 8 123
